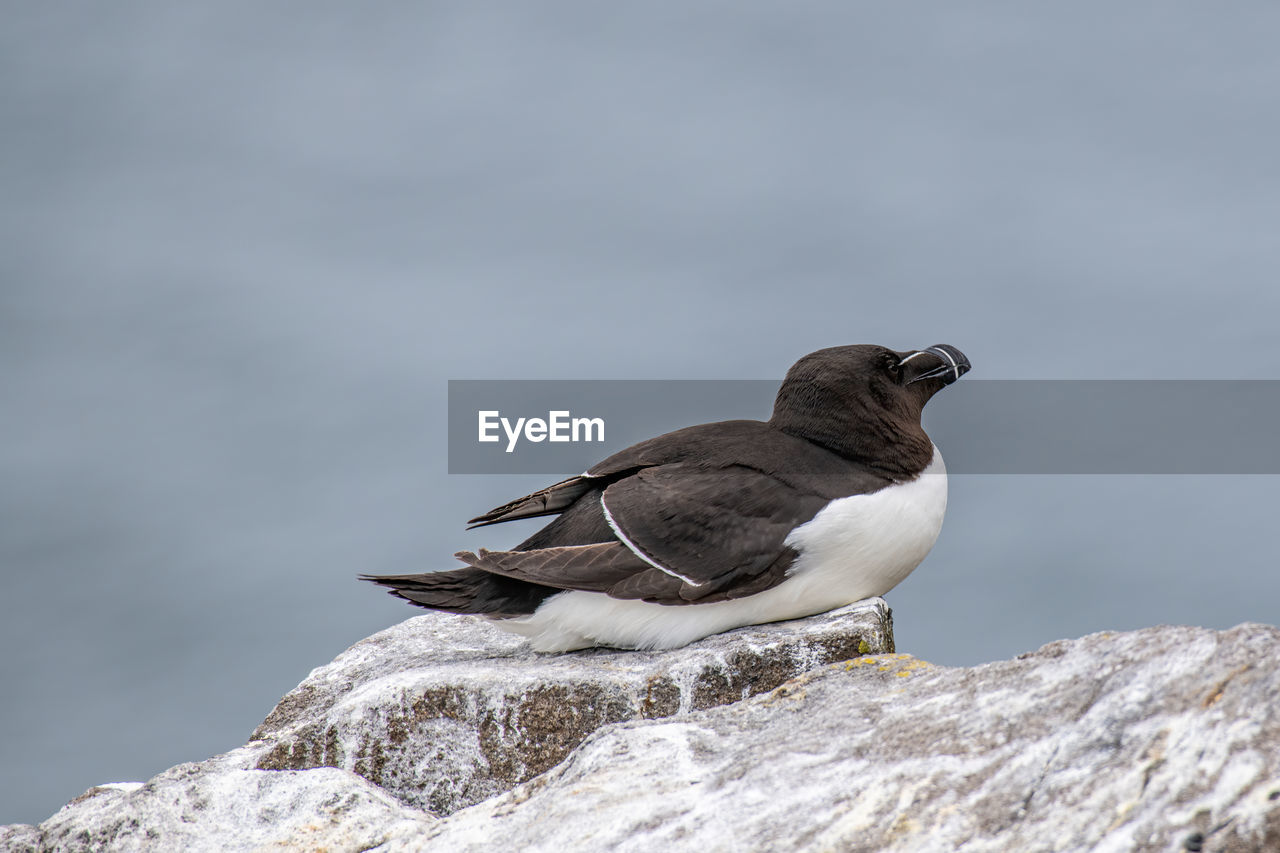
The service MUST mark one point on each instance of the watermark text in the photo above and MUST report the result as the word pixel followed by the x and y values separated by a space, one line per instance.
pixel 559 425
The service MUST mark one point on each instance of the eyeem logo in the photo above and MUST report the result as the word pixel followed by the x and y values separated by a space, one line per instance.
pixel 559 426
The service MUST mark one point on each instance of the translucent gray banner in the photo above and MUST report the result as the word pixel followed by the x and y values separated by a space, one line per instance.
pixel 562 427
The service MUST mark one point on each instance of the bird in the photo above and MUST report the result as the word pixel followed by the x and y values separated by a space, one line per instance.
pixel 835 499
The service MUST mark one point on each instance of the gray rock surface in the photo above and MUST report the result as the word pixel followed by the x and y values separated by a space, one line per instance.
pixel 445 711
pixel 438 712
pixel 220 805
pixel 1113 742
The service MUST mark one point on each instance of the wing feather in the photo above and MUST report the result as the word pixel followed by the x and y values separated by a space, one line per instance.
pixel 549 501
pixel 676 520
pixel 587 567
pixel 709 528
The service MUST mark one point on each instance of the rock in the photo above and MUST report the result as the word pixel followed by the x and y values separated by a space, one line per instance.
pixel 218 805
pixel 440 711
pixel 445 711
pixel 1157 740
pixel 1115 742
pixel 19 837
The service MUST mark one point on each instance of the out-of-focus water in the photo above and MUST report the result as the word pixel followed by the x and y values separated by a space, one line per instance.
pixel 245 247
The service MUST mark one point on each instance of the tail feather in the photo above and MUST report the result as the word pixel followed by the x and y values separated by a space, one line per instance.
pixel 466 591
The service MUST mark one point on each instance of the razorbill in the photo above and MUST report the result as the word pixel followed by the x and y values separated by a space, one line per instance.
pixel 836 498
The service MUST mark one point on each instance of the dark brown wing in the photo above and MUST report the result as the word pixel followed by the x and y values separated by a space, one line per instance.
pixel 659 587
pixel 703 442
pixel 709 530
pixel 613 569
pixel 684 533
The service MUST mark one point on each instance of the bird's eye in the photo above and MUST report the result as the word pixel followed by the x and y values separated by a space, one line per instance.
pixel 891 366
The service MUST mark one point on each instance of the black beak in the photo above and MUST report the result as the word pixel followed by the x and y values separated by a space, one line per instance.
pixel 952 364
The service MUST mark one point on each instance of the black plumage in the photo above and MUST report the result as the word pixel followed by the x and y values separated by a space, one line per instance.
pixel 702 514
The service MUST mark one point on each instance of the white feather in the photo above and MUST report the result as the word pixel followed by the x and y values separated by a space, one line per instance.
pixel 854 548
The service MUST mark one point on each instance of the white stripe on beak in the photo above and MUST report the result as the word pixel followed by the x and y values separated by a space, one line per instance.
pixel 908 358
pixel 955 368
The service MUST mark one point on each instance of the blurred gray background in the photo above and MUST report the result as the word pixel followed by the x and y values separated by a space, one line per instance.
pixel 245 246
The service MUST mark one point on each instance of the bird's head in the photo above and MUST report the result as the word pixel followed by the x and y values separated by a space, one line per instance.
pixel 865 401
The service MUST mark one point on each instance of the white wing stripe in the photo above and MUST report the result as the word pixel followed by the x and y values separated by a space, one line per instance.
pixel 634 549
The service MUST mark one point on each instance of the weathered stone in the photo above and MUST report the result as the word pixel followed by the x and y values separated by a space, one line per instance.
pixel 19 838
pixel 218 805
pixel 445 711
pixel 1165 739
pixel 1115 742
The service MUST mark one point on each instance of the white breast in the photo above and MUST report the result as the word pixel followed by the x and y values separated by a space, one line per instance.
pixel 866 544
pixel 854 548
